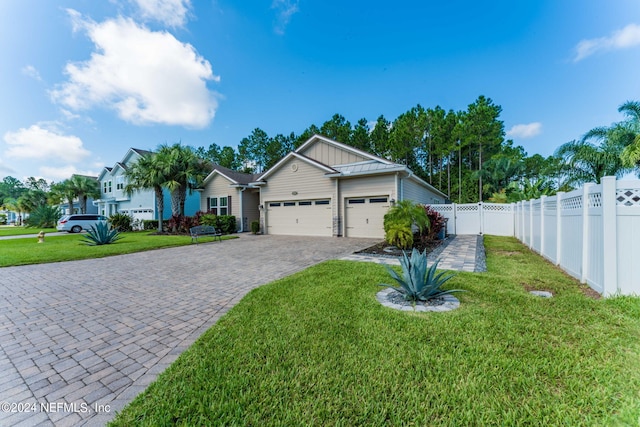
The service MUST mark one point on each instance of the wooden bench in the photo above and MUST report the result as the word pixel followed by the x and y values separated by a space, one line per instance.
pixel 204 230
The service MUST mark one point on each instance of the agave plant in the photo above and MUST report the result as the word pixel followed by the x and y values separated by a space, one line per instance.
pixel 419 283
pixel 101 234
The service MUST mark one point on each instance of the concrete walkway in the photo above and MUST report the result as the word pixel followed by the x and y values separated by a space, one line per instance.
pixel 461 253
pixel 79 340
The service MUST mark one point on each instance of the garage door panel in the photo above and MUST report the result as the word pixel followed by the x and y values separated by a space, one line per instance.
pixel 300 218
pixel 364 216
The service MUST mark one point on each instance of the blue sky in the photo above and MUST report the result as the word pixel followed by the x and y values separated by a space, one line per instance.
pixel 84 80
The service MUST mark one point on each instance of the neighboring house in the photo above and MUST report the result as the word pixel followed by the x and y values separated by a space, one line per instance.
pixel 140 204
pixel 227 192
pixel 91 208
pixel 326 188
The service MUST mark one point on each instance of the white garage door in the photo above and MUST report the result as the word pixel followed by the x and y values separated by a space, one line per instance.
pixel 365 216
pixel 300 218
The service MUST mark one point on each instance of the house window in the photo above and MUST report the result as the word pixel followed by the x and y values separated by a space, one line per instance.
pixel 356 201
pixel 305 203
pixel 378 200
pixel 219 205
pixel 289 204
pixel 223 206
pixel 106 187
pixel 109 186
pixel 120 183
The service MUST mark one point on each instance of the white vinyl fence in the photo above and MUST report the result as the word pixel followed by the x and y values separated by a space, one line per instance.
pixel 592 233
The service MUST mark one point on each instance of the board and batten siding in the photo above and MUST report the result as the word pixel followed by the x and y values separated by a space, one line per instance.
pixel 331 155
pixel 412 190
pixel 307 181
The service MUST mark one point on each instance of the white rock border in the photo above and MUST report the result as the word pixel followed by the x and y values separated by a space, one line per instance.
pixel 450 303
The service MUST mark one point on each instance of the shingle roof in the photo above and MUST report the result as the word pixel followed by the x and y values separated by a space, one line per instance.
pixel 239 177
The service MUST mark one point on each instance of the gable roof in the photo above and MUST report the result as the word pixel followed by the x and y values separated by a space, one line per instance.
pixel 295 154
pixel 237 178
pixel 319 138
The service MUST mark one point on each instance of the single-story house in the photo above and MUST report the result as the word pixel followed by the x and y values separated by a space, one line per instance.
pixel 227 192
pixel 326 188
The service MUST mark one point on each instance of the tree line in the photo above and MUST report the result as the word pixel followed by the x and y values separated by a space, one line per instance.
pixel 462 153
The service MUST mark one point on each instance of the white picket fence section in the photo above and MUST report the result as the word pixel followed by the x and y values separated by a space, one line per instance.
pixel 592 233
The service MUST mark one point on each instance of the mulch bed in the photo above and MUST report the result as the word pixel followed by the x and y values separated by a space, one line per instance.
pixel 385 249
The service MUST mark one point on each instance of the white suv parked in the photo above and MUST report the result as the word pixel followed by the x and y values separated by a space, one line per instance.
pixel 78 222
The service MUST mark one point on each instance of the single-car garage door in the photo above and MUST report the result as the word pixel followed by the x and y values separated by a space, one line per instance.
pixel 300 217
pixel 364 216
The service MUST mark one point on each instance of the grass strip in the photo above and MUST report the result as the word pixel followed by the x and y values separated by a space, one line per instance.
pixel 69 248
pixel 11 230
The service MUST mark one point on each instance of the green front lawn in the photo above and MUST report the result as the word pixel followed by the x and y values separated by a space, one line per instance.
pixel 316 348
pixel 69 248
pixel 12 230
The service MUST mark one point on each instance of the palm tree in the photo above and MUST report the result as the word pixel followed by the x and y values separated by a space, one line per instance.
pixel 147 174
pixel 85 187
pixel 63 191
pixel 183 171
pixel 630 130
pixel 585 161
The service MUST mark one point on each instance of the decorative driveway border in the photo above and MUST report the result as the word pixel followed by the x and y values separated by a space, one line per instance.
pixel 80 339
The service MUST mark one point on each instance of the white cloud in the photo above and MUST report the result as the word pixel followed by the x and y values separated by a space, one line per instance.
pixel 286 9
pixel 31 71
pixel 170 12
pixel 5 169
pixel 145 76
pixel 525 130
pixel 61 173
pixel 38 142
pixel 627 37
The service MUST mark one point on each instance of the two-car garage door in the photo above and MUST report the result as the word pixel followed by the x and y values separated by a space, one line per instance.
pixel 300 217
pixel 364 217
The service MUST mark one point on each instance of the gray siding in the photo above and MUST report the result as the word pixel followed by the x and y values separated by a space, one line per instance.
pixel 250 202
pixel 412 190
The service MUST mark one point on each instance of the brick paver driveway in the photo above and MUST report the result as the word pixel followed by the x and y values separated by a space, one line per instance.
pixel 79 340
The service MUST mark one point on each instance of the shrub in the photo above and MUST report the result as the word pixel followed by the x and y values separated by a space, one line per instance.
pixel 208 219
pixel 436 220
pixel 399 234
pixel 121 222
pixel 101 234
pixel 408 213
pixel 255 227
pixel 43 216
pixel 180 224
pixel 149 224
pixel 225 223
pixel 3 218
pixel 419 283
